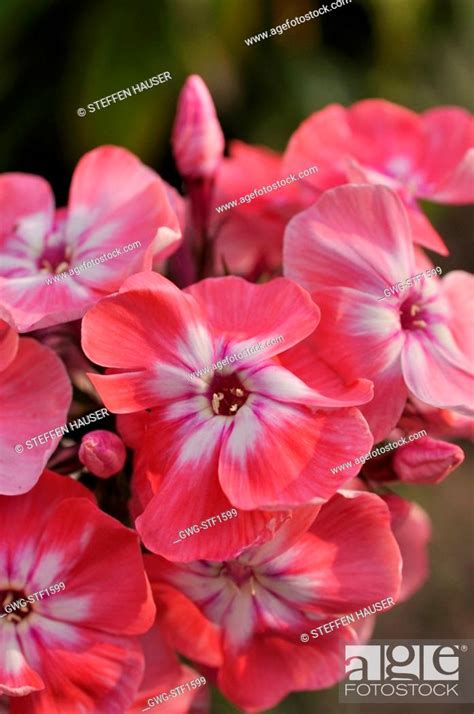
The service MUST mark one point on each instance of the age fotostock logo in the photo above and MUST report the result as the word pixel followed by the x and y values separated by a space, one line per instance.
pixel 408 670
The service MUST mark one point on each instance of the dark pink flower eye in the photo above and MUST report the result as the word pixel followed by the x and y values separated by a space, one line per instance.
pixel 227 394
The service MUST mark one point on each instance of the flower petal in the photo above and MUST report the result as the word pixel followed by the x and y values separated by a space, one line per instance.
pixel 436 373
pixel 411 527
pixel 9 340
pixel 27 211
pixel 186 454
pixel 360 338
pixel 102 675
pixel 21 419
pixel 17 678
pixel 246 312
pixel 277 454
pixel 179 616
pixel 272 667
pixel 448 163
pixel 331 388
pixel 153 330
pixel 354 236
pixel 344 435
pixel 90 563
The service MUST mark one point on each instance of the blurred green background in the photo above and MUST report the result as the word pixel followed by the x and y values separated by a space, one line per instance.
pixel 58 55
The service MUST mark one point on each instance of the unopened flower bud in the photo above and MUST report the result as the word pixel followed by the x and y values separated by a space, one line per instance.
pixel 197 140
pixel 102 453
pixel 426 461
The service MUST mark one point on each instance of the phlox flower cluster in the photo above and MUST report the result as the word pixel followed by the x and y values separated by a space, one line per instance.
pixel 239 360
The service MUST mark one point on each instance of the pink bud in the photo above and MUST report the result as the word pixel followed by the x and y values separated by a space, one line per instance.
pixel 102 453
pixel 426 461
pixel 198 141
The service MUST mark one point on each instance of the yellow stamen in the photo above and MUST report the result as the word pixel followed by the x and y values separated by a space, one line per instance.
pixel 62 267
pixel 215 403
pixel 252 587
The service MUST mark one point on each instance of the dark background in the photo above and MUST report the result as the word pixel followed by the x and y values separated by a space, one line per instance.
pixel 58 55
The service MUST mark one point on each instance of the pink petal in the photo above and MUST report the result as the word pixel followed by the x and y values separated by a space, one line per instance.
pixel 179 616
pixel 99 675
pixel 458 187
pixel 249 237
pixel 247 166
pixel 436 373
pixel 9 340
pixel 387 136
pixel 34 304
pixel 458 287
pixel 323 140
pixel 360 338
pixel 317 481
pixel 27 210
pixel 132 427
pixel 84 557
pixel 192 701
pixel 272 667
pixel 282 385
pixel 448 163
pixel 246 312
pixel 324 379
pixel 268 446
pixel 354 236
pixel 17 677
pixel 412 528
pixel 164 672
pixel 187 454
pixel 278 454
pixel 290 532
pixel 113 194
pixel 98 184
pixel 18 555
pixel 21 419
pixel 421 229
pixel 154 331
pixel 423 232
pixel 146 218
pixel 357 525
pixel 160 658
